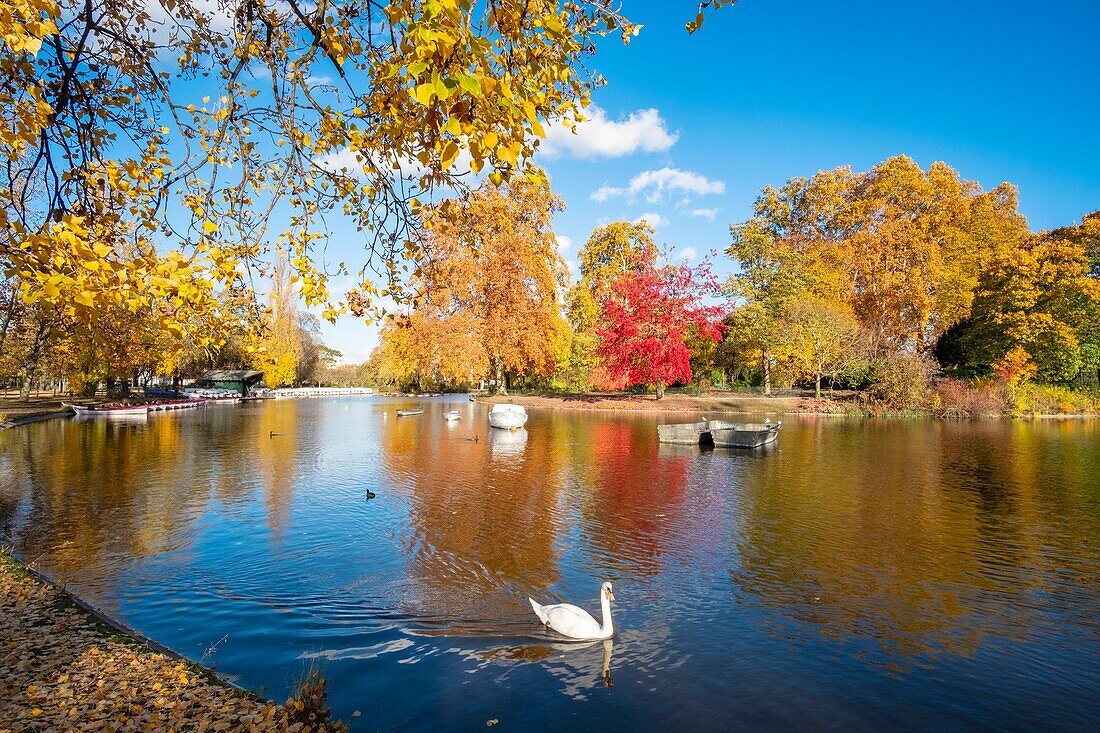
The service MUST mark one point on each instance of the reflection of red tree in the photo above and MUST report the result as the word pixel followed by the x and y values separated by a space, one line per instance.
pixel 633 487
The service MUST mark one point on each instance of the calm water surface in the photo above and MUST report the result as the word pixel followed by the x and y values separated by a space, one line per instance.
pixel 863 575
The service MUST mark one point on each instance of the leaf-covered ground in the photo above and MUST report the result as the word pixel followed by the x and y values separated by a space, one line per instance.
pixel 61 669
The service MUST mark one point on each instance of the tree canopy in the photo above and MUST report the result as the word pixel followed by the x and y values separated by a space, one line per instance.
pixel 158 151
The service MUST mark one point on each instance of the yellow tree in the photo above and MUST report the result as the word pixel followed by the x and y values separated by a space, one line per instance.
pixel 394 360
pixel 1040 302
pixel 280 344
pixel 819 338
pixel 902 247
pixel 102 135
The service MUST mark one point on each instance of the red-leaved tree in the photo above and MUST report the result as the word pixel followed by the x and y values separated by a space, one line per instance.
pixel 646 317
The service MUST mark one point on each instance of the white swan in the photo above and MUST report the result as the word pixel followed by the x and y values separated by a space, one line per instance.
pixel 576 623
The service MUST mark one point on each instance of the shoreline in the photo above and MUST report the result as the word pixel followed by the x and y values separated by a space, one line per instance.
pixel 66 665
pixel 784 405
pixel 742 404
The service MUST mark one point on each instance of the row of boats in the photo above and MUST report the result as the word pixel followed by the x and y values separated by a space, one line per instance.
pixel 144 409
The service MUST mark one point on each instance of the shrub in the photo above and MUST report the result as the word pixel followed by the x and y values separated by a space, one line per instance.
pixel 1047 399
pixel 902 381
pixel 980 398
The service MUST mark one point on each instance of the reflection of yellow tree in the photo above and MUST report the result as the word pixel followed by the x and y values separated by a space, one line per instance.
pixel 910 537
pixel 102 491
pixel 276 446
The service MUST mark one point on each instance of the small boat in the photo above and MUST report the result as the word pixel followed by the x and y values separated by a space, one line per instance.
pixel 507 416
pixel 690 433
pixel 174 405
pixel 409 412
pixel 452 415
pixel 109 410
pixel 743 435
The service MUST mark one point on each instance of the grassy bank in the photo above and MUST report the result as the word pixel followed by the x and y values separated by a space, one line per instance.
pixel 40 407
pixel 62 667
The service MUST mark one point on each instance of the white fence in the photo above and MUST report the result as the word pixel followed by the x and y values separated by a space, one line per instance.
pixel 324 392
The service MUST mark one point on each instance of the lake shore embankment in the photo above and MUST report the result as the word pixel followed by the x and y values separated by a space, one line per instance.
pixel 709 403
pixel 64 666
pixel 833 404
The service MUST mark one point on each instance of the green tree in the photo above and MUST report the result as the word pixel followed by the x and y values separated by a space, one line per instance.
pixel 819 338
pixel 771 275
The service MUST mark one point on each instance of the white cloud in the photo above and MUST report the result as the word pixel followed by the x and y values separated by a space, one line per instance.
pixel 604 192
pixel 652 218
pixel 688 253
pixel 564 242
pixel 656 185
pixel 707 214
pixel 601 137
pixel 403 166
pixel 340 160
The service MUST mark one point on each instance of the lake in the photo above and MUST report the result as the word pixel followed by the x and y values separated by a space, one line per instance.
pixel 859 575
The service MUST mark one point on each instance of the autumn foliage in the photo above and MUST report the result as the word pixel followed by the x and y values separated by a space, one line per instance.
pixel 646 319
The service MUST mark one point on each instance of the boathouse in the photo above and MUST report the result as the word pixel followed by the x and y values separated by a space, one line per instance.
pixel 238 380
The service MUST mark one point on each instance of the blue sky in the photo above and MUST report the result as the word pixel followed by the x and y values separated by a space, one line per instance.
pixel 772 89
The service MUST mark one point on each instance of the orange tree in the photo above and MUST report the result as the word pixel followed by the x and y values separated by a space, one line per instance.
pixel 488 301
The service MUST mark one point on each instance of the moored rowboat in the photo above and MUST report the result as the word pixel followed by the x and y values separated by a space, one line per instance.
pixel 109 410
pixel 692 433
pixel 743 435
pixel 408 412
pixel 507 416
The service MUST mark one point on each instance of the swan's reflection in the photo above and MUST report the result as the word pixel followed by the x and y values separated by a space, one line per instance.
pixel 571 662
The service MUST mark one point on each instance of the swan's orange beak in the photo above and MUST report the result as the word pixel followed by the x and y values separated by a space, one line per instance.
pixel 610 594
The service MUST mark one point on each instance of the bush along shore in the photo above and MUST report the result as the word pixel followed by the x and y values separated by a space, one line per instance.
pixel 63 667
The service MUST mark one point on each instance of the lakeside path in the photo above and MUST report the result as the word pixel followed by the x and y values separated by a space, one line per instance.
pixel 40 407
pixel 63 668
pixel 784 405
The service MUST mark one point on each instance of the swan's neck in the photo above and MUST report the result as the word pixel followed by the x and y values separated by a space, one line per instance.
pixel 608 628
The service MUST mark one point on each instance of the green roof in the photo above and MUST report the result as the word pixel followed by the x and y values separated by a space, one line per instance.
pixel 230 375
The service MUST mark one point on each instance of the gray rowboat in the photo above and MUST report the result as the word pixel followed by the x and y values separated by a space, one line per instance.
pixel 742 435
pixel 692 433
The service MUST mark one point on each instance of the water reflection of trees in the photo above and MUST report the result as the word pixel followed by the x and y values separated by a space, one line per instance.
pixel 482 520
pixel 925 537
pixel 632 500
pixel 91 496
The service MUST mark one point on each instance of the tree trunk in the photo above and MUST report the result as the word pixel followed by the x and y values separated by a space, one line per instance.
pixel 8 315
pixel 767 367
pixel 660 389
pixel 498 372
pixel 31 363
pixel 817 386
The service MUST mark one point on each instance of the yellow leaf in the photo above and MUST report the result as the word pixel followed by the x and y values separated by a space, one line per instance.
pixel 209 227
